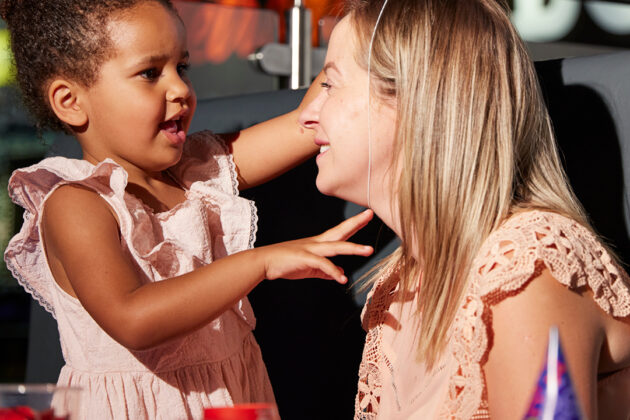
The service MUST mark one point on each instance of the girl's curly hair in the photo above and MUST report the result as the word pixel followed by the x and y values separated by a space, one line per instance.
pixel 66 38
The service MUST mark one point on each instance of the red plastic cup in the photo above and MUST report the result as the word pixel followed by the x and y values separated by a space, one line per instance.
pixel 256 411
pixel 35 402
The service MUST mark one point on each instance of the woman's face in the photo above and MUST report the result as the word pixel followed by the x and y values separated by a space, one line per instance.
pixel 339 116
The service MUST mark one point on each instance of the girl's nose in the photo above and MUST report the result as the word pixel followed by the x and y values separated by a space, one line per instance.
pixel 178 90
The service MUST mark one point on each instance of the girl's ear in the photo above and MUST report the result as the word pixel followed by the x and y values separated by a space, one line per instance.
pixel 64 101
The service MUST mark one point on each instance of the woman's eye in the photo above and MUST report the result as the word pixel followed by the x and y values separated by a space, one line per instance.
pixel 326 85
pixel 150 74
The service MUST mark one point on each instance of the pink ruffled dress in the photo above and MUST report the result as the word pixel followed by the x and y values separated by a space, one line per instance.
pixel 393 385
pixel 218 365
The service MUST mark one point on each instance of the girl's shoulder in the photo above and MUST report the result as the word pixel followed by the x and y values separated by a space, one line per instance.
pixel 29 187
pixel 527 242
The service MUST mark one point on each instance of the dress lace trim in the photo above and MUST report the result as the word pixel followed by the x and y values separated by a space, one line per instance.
pixel 253 223
pixel 22 281
pixel 512 256
pixel 204 146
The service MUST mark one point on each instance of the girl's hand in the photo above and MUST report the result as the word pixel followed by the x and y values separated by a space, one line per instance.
pixel 304 258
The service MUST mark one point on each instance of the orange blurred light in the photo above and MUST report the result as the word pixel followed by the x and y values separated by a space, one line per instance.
pixel 216 32
pixel 319 9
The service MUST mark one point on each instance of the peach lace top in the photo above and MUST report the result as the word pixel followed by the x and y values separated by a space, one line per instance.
pixel 219 364
pixel 393 385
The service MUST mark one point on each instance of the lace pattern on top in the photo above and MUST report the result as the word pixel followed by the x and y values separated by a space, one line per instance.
pixel 511 256
pixel 378 300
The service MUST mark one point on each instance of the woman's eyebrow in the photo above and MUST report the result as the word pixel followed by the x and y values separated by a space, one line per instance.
pixel 331 65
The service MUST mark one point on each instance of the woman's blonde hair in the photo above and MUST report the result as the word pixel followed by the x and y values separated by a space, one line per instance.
pixel 473 140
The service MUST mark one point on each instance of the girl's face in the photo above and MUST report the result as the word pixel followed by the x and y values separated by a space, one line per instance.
pixel 140 108
pixel 339 116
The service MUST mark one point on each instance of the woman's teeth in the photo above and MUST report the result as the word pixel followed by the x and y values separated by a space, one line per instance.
pixel 324 147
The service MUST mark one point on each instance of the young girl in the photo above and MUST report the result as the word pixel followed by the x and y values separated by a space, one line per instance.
pixel 142 250
pixel 436 104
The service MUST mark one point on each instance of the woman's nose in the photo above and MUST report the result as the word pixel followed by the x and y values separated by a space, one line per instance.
pixel 309 117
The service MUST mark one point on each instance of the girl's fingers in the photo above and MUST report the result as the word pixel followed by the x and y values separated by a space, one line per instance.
pixel 334 272
pixel 309 257
pixel 347 228
pixel 323 268
pixel 331 249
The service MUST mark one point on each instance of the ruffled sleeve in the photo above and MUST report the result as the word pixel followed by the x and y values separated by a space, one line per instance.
pixel 511 257
pixel 207 158
pixel 570 251
pixel 29 188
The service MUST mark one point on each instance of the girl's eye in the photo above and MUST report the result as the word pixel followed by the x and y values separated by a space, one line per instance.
pixel 182 69
pixel 326 85
pixel 150 74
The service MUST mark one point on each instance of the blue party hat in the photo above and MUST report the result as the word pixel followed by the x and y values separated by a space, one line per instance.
pixel 554 397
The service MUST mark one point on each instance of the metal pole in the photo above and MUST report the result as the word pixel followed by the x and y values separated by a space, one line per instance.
pixel 300 43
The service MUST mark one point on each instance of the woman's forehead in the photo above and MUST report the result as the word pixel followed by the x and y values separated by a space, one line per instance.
pixel 341 52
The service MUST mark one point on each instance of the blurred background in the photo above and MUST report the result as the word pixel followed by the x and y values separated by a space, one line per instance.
pixel 247 46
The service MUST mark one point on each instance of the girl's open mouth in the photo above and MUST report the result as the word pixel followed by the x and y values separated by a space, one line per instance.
pixel 173 132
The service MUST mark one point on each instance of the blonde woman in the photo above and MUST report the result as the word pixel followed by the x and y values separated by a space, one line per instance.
pixel 432 116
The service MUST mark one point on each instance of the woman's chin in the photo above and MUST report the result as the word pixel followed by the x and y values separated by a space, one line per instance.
pixel 328 188
pixel 322 186
pixel 326 191
pixel 333 191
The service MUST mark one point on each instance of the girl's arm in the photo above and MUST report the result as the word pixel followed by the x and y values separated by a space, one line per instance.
pixel 266 150
pixel 82 242
pixel 520 328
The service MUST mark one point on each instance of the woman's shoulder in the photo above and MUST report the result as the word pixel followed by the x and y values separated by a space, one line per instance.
pixel 532 258
pixel 531 241
pixel 536 220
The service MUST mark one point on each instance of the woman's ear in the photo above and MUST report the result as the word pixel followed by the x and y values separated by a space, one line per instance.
pixel 64 101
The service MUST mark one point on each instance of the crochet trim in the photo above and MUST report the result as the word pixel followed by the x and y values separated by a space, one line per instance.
pixel 511 256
